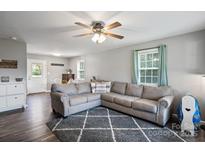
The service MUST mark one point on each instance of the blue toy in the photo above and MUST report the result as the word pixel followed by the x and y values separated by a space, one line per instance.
pixel 196 116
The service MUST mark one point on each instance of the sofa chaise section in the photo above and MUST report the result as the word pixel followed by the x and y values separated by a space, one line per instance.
pixel 73 98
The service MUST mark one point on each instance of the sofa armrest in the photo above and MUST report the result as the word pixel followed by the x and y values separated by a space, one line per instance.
pixel 166 101
pixel 60 102
pixel 63 98
pixel 164 108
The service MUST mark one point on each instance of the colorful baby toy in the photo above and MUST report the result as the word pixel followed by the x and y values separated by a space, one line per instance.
pixel 189 114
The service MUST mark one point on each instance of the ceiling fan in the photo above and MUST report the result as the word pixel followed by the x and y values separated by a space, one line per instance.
pixel 99 31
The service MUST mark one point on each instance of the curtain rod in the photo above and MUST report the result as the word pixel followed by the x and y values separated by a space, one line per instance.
pixel 150 48
pixel 147 48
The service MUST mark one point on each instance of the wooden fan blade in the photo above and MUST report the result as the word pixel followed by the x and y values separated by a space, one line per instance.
pixel 114 35
pixel 86 34
pixel 113 25
pixel 83 25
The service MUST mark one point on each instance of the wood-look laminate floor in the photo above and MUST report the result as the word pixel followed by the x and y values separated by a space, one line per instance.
pixel 28 125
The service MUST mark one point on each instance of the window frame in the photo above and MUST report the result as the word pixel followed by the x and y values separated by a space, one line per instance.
pixel 146 52
pixel 79 69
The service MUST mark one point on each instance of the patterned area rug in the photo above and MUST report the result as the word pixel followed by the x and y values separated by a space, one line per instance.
pixel 105 125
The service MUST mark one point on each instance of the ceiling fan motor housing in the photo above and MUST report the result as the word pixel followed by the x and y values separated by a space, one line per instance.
pixel 97 26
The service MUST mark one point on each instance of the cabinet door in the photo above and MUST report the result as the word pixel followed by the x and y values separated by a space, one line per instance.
pixel 15 89
pixel 3 103
pixel 16 100
pixel 2 90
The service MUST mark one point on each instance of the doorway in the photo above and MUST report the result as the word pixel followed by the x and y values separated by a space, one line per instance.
pixel 36 76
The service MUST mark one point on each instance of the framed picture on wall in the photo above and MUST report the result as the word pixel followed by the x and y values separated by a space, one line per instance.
pixel 12 64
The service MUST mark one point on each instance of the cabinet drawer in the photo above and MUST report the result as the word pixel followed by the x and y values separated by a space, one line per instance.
pixel 3 103
pixel 15 100
pixel 15 89
pixel 2 90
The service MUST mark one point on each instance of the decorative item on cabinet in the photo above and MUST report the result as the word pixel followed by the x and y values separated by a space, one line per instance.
pixel 19 79
pixel 67 77
pixel 4 78
pixel 69 71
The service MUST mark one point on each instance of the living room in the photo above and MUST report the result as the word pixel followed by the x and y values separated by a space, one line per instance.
pixel 102 76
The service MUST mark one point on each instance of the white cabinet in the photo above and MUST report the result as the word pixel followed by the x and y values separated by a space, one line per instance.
pixel 15 100
pixel 12 96
pixel 15 89
pixel 3 103
pixel 2 90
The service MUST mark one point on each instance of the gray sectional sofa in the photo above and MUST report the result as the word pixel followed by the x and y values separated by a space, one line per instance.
pixel 149 103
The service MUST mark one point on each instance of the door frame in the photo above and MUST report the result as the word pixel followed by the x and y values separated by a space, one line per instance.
pixel 44 75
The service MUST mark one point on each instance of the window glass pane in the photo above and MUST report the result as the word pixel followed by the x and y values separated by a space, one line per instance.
pixel 148 72
pixel 154 79
pixel 142 72
pixel 155 72
pixel 155 63
pixel 82 74
pixel 37 70
pixel 149 56
pixel 142 57
pixel 148 79
pixel 81 65
pixel 81 69
pixel 149 64
pixel 142 79
pixel 156 56
pixel 142 64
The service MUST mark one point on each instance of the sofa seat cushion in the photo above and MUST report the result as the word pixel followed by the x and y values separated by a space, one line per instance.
pixel 109 96
pixel 145 105
pixel 77 100
pixel 124 100
pixel 92 97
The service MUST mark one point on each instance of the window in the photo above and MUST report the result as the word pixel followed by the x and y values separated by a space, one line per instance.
pixel 81 70
pixel 37 70
pixel 148 63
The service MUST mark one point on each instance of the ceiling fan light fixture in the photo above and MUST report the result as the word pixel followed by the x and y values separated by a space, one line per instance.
pixel 98 38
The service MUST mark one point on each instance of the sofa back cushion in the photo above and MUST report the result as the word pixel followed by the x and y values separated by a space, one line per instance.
pixel 83 88
pixel 155 93
pixel 69 89
pixel 134 90
pixel 119 87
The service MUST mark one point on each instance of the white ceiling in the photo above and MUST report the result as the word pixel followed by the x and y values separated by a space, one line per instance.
pixel 51 32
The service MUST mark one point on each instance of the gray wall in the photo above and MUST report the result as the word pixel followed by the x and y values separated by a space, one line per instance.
pixel 54 73
pixel 186 64
pixel 13 50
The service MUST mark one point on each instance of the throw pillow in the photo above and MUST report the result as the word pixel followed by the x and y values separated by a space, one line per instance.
pixel 108 86
pixel 98 87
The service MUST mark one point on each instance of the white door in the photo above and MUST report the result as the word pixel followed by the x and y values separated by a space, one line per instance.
pixel 36 76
